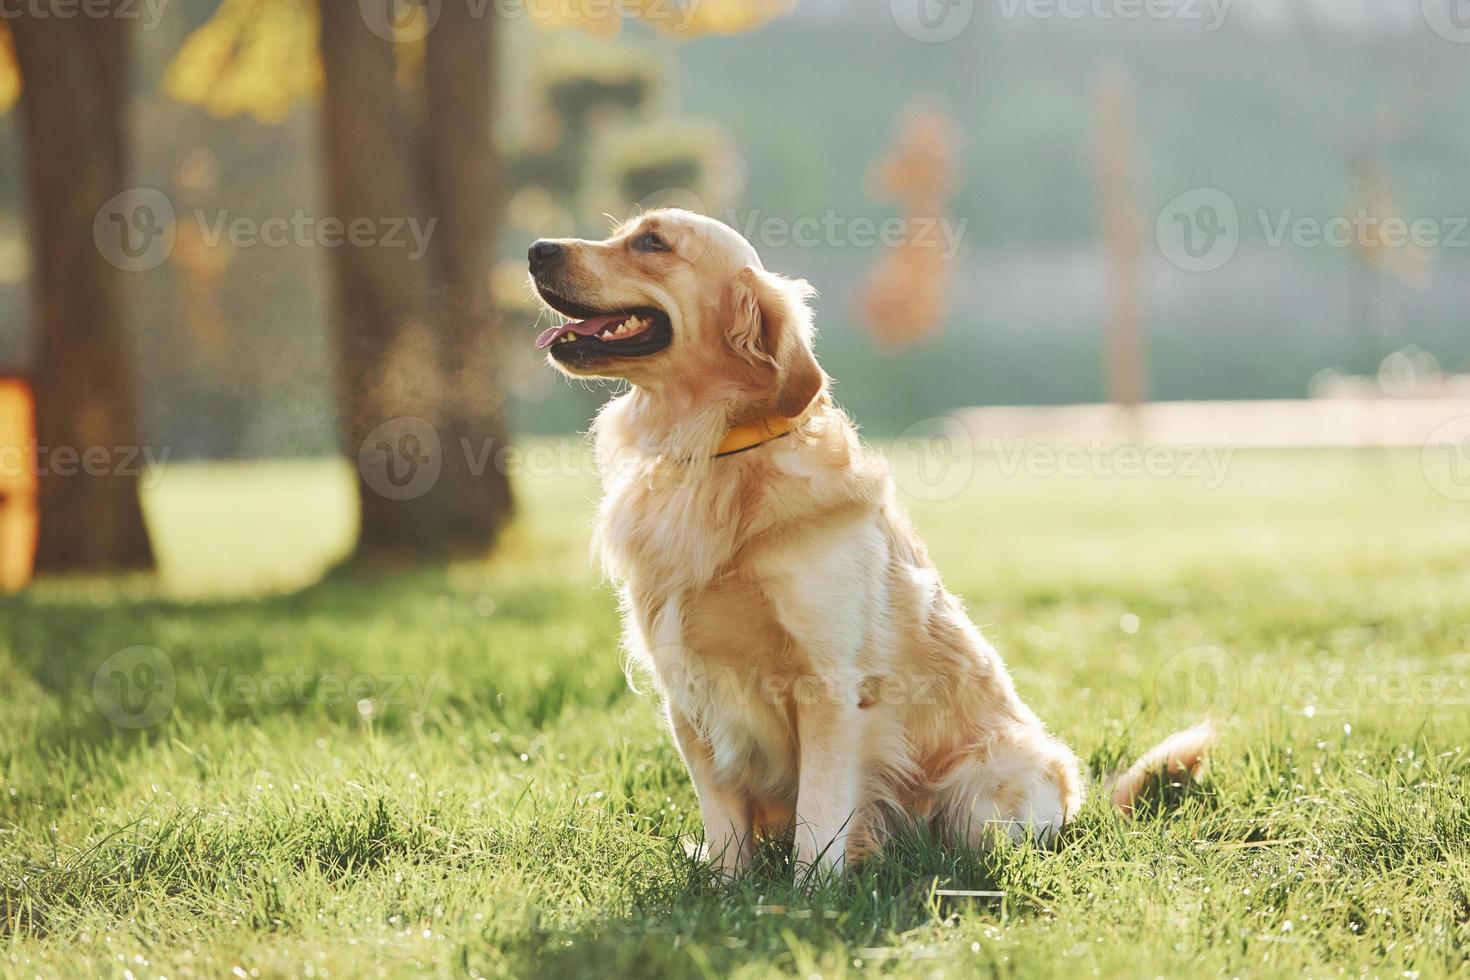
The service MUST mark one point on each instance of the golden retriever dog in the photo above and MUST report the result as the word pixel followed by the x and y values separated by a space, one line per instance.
pixel 821 684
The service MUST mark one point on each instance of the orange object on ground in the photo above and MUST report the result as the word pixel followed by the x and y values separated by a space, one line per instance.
pixel 19 514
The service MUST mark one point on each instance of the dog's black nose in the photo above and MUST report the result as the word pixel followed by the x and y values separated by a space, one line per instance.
pixel 542 253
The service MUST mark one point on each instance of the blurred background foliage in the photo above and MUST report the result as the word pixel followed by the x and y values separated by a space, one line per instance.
pixel 1270 111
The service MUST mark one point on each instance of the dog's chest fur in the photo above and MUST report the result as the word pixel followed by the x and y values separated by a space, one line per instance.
pixel 732 677
pixel 695 612
pixel 706 631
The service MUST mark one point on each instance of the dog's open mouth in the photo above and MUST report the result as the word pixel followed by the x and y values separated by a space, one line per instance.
pixel 634 332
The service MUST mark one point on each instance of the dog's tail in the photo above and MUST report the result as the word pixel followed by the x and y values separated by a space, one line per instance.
pixel 1184 755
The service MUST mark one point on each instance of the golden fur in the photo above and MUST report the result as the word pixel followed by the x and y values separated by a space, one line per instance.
pixel 820 682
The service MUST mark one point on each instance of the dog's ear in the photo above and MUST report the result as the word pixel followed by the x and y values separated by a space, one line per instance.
pixel 773 325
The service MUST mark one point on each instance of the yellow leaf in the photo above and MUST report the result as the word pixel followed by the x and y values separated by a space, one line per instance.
pixel 676 18
pixel 718 16
pixel 9 70
pixel 257 57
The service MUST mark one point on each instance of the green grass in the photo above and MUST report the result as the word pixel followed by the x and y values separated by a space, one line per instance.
pixel 443 771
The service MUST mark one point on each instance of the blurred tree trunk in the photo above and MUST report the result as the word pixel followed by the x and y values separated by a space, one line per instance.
pixel 415 334
pixel 76 77
pixel 461 74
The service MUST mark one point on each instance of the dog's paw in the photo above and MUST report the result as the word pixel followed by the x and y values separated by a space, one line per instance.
pixel 696 850
pixel 728 861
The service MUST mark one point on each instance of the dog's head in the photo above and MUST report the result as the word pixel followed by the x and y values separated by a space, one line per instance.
pixel 677 301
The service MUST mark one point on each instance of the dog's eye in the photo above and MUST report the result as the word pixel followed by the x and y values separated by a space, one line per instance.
pixel 650 242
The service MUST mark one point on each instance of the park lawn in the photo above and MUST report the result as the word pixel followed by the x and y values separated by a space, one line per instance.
pixel 444 770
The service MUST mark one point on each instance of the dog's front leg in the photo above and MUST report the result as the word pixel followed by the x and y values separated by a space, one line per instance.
pixel 725 810
pixel 828 730
pixel 830 625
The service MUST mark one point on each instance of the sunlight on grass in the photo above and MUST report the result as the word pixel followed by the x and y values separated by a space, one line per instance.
pixel 247 527
pixel 443 771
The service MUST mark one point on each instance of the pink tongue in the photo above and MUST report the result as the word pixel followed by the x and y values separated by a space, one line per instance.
pixel 585 328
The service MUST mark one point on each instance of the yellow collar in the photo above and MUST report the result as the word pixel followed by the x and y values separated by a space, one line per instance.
pixel 748 436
